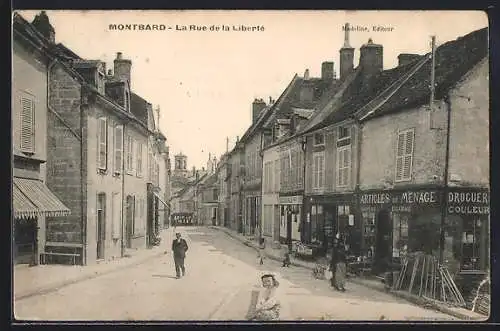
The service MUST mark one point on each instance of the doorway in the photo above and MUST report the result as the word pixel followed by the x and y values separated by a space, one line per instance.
pixel 129 224
pixel 101 225
pixel 25 240
pixel 277 220
pixel 383 241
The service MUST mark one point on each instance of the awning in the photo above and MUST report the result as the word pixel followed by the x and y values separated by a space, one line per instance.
pixel 32 198
pixel 161 200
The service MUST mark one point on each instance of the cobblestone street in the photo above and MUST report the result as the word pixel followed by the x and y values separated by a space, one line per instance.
pixel 221 274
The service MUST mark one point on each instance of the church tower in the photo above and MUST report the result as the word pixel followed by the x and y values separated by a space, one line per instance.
pixel 180 167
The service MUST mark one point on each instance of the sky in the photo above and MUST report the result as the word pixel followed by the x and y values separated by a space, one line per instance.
pixel 205 81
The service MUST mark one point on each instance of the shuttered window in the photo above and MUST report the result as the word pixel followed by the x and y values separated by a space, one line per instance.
pixel 318 170
pixel 102 143
pixel 116 215
pixel 404 155
pixel 277 172
pixel 130 154
pixel 139 159
pixel 343 165
pixel 118 145
pixel 27 124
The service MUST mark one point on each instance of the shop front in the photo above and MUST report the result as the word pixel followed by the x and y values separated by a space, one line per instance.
pixel 397 222
pixel 329 215
pixel 290 219
pixel 466 236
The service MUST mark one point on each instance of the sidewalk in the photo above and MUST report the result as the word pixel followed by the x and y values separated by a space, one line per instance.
pixel 41 279
pixel 275 254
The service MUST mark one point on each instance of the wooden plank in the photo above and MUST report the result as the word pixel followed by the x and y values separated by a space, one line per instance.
pixel 62 244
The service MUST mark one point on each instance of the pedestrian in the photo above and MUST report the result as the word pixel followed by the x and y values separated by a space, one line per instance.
pixel 286 257
pixel 340 265
pixel 269 301
pixel 179 248
pixel 333 265
pixel 262 249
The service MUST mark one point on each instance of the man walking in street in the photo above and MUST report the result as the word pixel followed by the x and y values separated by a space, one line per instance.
pixel 179 248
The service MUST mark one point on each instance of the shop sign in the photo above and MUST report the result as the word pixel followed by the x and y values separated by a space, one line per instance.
pixel 468 202
pixel 292 200
pixel 400 201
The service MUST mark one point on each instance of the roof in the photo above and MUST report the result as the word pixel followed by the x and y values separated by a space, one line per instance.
pixel 302 112
pixel 139 107
pixel 320 88
pixel 268 111
pixel 453 60
pixel 407 86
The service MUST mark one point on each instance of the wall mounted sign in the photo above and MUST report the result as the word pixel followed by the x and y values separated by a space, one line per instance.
pixel 292 200
pixel 468 202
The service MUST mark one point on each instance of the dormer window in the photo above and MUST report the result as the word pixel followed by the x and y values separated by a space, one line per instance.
pixel 319 139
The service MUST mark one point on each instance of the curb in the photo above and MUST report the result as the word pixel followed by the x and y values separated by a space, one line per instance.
pixel 252 245
pixel 421 302
pixel 55 287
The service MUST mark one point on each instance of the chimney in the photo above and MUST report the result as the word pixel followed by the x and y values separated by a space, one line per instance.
pixel 406 58
pixel 327 73
pixel 306 74
pixel 257 106
pixel 122 68
pixel 41 22
pixel 237 139
pixel 371 58
pixel 346 54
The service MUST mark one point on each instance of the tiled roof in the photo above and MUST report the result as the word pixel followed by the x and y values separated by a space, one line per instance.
pixel 453 60
pixel 139 107
pixel 408 85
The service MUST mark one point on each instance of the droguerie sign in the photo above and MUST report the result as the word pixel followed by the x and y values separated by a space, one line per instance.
pixel 469 203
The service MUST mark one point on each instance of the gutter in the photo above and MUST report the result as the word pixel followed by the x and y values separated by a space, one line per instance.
pixel 83 220
pixel 122 223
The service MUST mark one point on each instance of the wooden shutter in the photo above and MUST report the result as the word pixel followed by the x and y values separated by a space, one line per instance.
pixel 408 154
pixel 102 141
pixel 139 159
pixel 27 125
pixel 321 170
pixel 118 145
pixel 400 156
pixel 347 163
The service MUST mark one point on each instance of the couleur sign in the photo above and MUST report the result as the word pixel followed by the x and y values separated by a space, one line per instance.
pixel 469 202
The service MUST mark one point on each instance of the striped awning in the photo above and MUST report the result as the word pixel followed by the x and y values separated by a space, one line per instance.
pixel 161 200
pixel 32 198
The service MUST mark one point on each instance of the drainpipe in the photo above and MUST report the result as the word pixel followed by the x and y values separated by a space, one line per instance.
pixel 83 223
pixel 122 221
pixel 446 170
pixel 357 216
pixel 303 216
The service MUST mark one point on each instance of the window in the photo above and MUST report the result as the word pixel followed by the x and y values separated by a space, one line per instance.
pixel 319 139
pixel 343 165
pixel 130 154
pixel 404 155
pixel 344 132
pixel 116 215
pixel 318 170
pixel 27 124
pixel 118 145
pixel 101 216
pixel 137 210
pixel 139 159
pixel 102 143
pixel 277 173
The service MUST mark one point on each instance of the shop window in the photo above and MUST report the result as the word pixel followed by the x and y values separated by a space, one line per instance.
pixel 399 235
pixel 317 225
pixel 369 233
